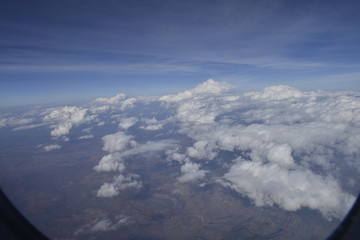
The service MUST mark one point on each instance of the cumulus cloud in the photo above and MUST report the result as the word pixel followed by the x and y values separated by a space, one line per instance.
pixel 127 103
pixel 270 184
pixel 104 224
pixel 111 162
pixel 119 100
pixel 208 87
pixel 152 124
pixel 201 150
pixel 87 130
pixel 278 92
pixel 173 155
pixel 112 100
pixel 51 147
pixel 278 147
pixel 115 160
pixel 152 127
pixel 120 146
pixel 99 109
pixel 286 141
pixel 126 123
pixel 117 142
pixel 120 182
pixel 201 104
pixel 63 119
pixel 191 172
pixel 8 120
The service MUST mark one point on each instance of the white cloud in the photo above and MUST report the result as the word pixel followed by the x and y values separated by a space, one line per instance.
pixel 126 123
pixel 28 126
pixel 152 127
pixel 112 100
pixel 87 130
pixel 117 142
pixel 111 162
pixel 119 100
pixel 102 123
pixel 205 88
pixel 99 109
pixel 201 104
pixel 287 143
pixel 191 172
pixel 290 140
pixel 173 155
pixel 104 224
pixel 11 121
pixel 120 182
pixel 120 146
pixel 281 154
pixel 127 103
pixel 65 118
pixel 149 147
pixel 108 190
pixel 152 124
pixel 86 137
pixel 278 92
pixel 201 150
pixel 269 184
pixel 51 147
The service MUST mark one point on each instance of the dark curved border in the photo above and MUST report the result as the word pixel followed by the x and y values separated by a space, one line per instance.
pixel 14 225
pixel 349 228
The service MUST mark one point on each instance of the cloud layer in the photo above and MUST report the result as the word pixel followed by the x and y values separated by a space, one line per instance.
pixel 278 147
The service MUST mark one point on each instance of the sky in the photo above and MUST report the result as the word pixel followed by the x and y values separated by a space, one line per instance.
pixel 78 50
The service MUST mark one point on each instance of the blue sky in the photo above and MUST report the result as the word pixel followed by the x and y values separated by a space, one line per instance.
pixel 73 50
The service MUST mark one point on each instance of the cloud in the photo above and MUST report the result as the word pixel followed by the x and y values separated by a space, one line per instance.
pixel 152 124
pixel 278 147
pixel 99 109
pixel 270 184
pixel 115 160
pixel 111 162
pixel 112 100
pixel 126 123
pixel 28 126
pixel 281 155
pixel 85 137
pixel 117 142
pixel 120 182
pixel 87 130
pixel 120 100
pixel 7 120
pixel 151 146
pixel 278 92
pixel 201 150
pixel 174 155
pixel 104 225
pixel 206 88
pixel 285 142
pixel 63 119
pixel 120 146
pixel 127 103
pixel 152 127
pixel 200 104
pixel 51 147
pixel 191 172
